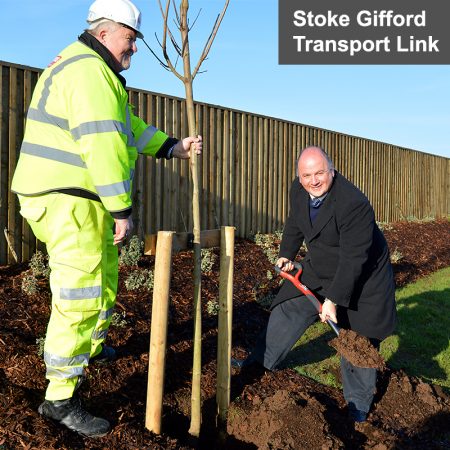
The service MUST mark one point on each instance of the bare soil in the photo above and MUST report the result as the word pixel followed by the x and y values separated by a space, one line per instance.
pixel 269 410
pixel 357 350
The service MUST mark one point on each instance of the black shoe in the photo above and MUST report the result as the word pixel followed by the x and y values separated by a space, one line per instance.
pixel 70 413
pixel 107 355
pixel 243 363
pixel 238 363
pixel 357 415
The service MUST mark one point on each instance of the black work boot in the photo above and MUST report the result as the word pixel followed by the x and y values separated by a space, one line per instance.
pixel 243 363
pixel 107 355
pixel 70 413
pixel 356 415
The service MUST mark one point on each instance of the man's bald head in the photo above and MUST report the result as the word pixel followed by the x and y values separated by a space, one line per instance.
pixel 315 171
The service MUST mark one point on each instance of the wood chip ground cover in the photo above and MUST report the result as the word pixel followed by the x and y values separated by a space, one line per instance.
pixel 269 410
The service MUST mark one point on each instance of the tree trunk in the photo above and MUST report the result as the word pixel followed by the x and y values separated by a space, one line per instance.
pixel 197 359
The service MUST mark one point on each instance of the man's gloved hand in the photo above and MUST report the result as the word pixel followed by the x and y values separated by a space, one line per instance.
pixel 328 311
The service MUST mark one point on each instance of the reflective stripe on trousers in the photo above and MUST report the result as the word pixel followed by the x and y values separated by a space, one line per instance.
pixel 83 280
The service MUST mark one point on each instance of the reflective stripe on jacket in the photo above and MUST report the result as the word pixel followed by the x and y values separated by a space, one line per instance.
pixel 81 132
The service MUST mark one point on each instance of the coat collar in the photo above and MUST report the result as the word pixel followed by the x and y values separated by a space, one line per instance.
pixel 94 44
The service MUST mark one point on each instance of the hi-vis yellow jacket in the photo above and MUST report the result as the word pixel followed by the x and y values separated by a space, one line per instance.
pixel 81 132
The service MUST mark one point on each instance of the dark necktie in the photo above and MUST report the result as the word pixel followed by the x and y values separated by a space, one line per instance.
pixel 314 205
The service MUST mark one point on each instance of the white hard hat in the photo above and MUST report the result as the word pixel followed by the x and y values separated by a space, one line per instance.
pixel 121 11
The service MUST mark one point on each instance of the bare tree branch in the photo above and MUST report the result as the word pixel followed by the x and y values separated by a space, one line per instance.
pixel 210 39
pixel 195 20
pixel 156 56
pixel 180 50
pixel 175 44
pixel 166 30
pixel 178 22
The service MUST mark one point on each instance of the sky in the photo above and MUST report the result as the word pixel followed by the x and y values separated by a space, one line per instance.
pixel 407 106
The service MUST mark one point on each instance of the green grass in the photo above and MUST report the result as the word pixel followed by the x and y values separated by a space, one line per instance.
pixel 420 346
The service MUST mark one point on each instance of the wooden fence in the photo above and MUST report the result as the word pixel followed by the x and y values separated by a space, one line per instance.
pixel 247 168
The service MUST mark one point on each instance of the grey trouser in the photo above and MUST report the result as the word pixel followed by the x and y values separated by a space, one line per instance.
pixel 287 322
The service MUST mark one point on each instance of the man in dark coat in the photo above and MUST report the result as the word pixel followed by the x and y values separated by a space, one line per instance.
pixel 347 266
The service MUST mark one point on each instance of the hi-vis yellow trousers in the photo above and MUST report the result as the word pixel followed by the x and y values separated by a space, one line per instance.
pixel 78 234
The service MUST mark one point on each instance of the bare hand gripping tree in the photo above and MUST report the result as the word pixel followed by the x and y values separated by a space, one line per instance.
pixel 182 23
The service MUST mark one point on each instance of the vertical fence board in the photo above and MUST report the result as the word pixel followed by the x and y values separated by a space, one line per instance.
pixel 218 191
pixel 276 175
pixel 4 158
pixel 250 186
pixel 271 176
pixel 177 223
pixel 237 151
pixel 244 178
pixel 225 199
pixel 264 170
pixel 232 168
pixel 253 172
pixel 14 220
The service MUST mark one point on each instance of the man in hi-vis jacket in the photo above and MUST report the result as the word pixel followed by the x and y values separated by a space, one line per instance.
pixel 74 182
pixel 347 266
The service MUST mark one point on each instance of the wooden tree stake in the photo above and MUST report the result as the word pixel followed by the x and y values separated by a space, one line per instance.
pixel 158 335
pixel 225 322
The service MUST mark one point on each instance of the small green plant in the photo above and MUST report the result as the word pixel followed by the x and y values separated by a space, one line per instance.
pixel 269 244
pixel 119 319
pixel 208 259
pixel 140 278
pixel 39 265
pixel 396 256
pixel 40 342
pixel 213 307
pixel 132 252
pixel 278 234
pixel 263 240
pixel 269 275
pixel 29 283
pixel 135 280
pixel 39 268
pixel 149 279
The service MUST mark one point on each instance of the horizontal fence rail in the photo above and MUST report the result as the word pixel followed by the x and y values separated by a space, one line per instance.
pixel 246 169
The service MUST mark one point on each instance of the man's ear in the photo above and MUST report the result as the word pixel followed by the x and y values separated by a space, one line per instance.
pixel 101 35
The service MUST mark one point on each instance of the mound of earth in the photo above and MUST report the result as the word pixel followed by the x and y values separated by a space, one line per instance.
pixel 269 410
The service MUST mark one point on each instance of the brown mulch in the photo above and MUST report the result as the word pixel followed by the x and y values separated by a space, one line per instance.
pixel 269 410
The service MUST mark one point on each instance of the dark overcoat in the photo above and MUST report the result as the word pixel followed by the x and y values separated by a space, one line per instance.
pixel 347 259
